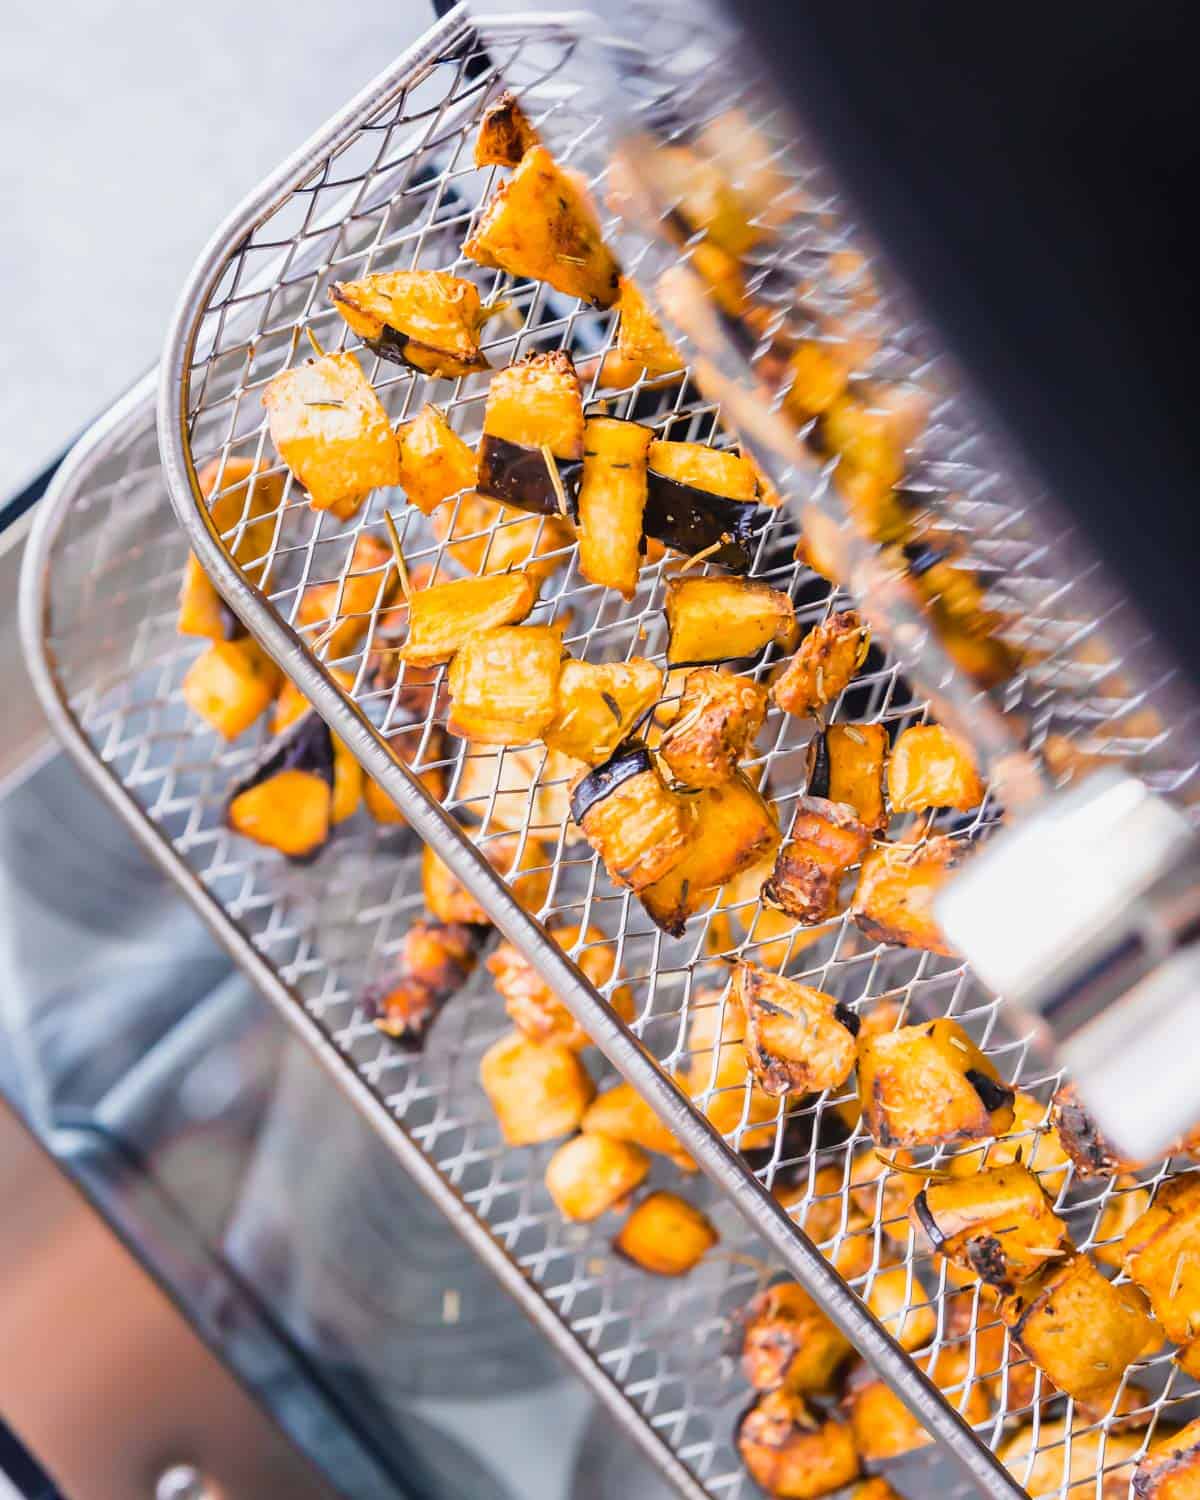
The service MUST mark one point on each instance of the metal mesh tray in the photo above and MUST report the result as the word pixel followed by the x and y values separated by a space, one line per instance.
pixel 390 183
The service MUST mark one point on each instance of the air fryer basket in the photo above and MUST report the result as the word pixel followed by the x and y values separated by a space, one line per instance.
pixel 391 184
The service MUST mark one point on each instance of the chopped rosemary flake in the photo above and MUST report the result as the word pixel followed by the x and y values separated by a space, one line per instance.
pixel 401 566
pixel 853 734
pixel 698 557
pixel 326 405
pixel 612 705
pixel 932 1173
pixel 555 479
pixel 572 260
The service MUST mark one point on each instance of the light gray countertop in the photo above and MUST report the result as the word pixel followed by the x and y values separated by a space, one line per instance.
pixel 133 128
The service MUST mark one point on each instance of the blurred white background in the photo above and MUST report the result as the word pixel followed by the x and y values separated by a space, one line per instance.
pixel 132 128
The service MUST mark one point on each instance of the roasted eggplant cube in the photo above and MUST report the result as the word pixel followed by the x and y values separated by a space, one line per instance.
pixel 504 684
pixel 702 501
pixel 505 133
pixel 612 502
pixel 1081 1138
pixel 798 1040
pixel 718 1077
pixel 590 1174
pixel 640 336
pixel 719 716
pixel 286 802
pixel 930 1085
pixel 998 1223
pixel 442 617
pixel 893 901
pixel 1031 1141
pixel 829 656
pixel 1079 1329
pixel 368 584
pixel 817 374
pixel 1050 1460
pixel 523 864
pixel 870 429
pixel 539 1090
pixel 733 827
pixel 1161 1252
pixel 930 767
pixel 483 536
pixel 332 432
pixel 639 828
pixel 789 1343
pixel 532 1005
pixel 882 1425
pixel 230 684
pixel 791 1452
pixel 827 838
pixel 249 497
pixel 666 1235
pixel 540 225
pixel 724 619
pixel 533 435
pixel 435 463
pixel 895 1297
pixel 846 764
pixel 622 1113
pixel 436 960
pixel 600 705
pixel 1170 1470
pixel 427 319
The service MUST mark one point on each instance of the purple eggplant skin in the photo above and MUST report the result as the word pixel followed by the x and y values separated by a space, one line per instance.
pixel 691 520
pixel 518 476
pixel 818 766
pixel 399 349
pixel 992 1095
pixel 232 628
pixel 305 745
pixel 631 758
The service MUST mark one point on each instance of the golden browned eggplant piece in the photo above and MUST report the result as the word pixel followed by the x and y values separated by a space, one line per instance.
pixel 733 827
pixel 532 1005
pixel 505 133
pixel 1170 1470
pixel 435 961
pixel 435 463
pixel 829 656
pixel 230 685
pixel 1030 1141
pixel 611 503
pixel 427 319
pixel 719 716
pixel 884 1428
pixel 523 865
pixel 703 502
pixel 286 801
pixel 893 901
pixel 798 1040
pixel 622 1113
pixel 871 427
pixel 332 432
pixel 590 1174
pixel 484 536
pixel 1079 1329
pixel 930 767
pixel 930 1085
pixel 788 1342
pixel 998 1223
pixel 666 1235
pixel 827 838
pixel 896 1298
pixel 368 585
pixel 540 225
pixel 504 684
pixel 1038 1456
pixel 722 619
pixel 600 706
pixel 639 828
pixel 845 764
pixel 539 1090
pixel 640 336
pixel 250 497
pixel 817 375
pixel 791 1452
pixel 533 435
pixel 1161 1252
pixel 1093 1154
pixel 440 618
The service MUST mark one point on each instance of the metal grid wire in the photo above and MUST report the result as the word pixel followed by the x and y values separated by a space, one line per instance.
pixel 400 191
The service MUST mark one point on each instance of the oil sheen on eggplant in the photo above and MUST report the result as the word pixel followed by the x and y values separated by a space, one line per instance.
pixel 692 520
pixel 627 760
pixel 518 475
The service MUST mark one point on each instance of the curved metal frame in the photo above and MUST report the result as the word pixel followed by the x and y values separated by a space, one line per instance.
pixel 437 829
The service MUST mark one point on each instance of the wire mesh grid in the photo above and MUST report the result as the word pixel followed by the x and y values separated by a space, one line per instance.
pixel 399 190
